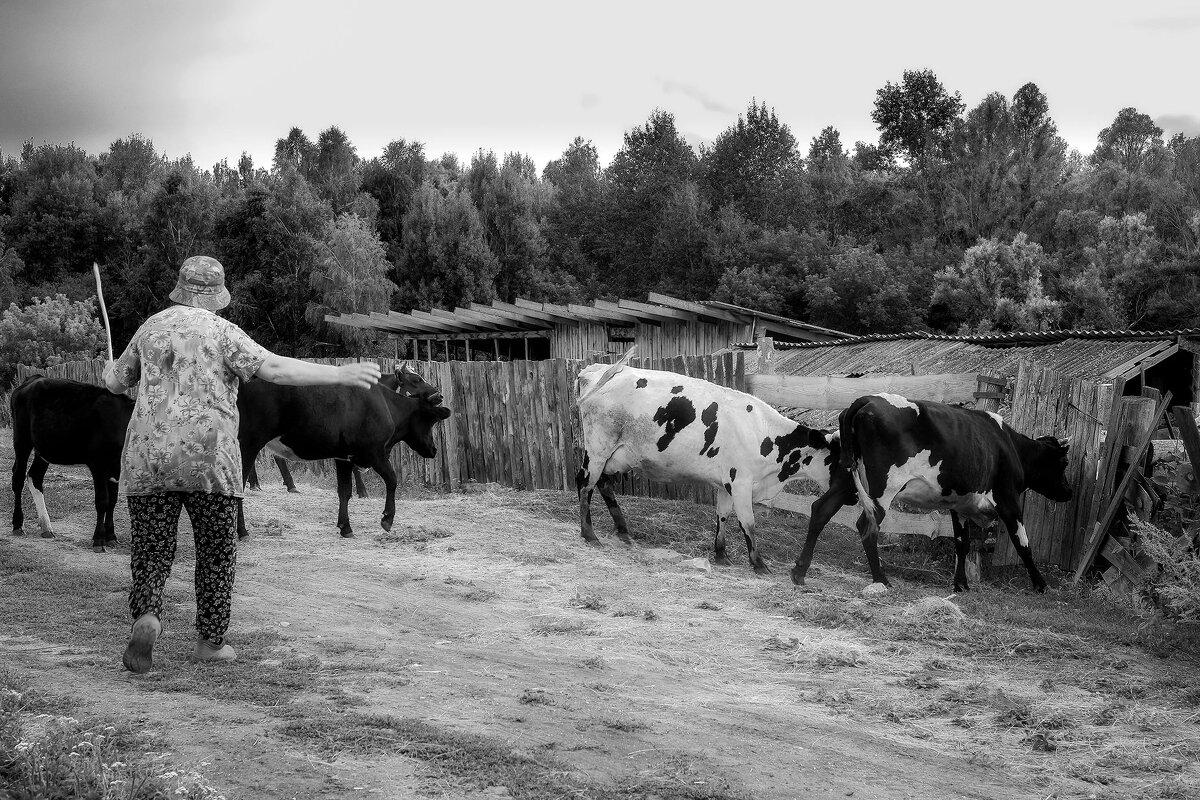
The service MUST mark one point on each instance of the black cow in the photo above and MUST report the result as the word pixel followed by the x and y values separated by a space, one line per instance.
pixel 62 421
pixel 937 457
pixel 358 427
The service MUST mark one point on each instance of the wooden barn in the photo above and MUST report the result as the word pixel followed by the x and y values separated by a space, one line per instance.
pixel 662 327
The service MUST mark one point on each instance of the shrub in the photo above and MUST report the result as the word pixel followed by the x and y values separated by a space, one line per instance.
pixel 1173 587
pixel 48 331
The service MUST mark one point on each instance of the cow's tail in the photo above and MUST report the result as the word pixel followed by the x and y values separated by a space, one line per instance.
pixel 850 460
pixel 609 374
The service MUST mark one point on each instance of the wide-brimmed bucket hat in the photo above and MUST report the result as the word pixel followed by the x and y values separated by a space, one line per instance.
pixel 201 284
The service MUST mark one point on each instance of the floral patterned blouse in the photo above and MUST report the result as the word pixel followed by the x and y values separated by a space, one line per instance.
pixel 187 364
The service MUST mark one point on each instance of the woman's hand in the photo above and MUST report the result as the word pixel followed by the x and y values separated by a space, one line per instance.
pixel 363 374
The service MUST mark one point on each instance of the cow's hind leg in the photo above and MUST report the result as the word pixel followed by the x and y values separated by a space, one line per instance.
pixel 285 472
pixel 840 493
pixel 724 511
pixel 962 548
pixel 383 467
pixel 743 507
pixel 100 489
pixel 610 500
pixel 583 487
pixel 1020 539
pixel 343 485
pixel 20 463
pixel 37 474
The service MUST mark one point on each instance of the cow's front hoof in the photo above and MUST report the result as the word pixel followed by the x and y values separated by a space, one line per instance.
pixel 243 535
pixel 798 576
pixel 293 490
pixel 762 569
pixel 18 531
pixel 722 561
pixel 111 541
pixel 347 533
pixel 961 587
pixel 1040 588
pixel 386 524
pixel 624 537
pixel 47 533
pixel 97 548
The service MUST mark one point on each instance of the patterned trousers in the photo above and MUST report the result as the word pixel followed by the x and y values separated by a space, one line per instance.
pixel 154 520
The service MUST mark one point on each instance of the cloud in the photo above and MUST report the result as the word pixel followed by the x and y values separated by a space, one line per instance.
pixel 1187 124
pixel 708 103
pixel 1180 23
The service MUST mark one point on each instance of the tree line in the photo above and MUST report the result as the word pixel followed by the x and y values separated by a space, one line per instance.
pixel 956 220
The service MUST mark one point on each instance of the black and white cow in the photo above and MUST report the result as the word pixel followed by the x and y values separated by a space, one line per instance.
pixel 60 421
pixel 937 457
pixel 358 427
pixel 675 428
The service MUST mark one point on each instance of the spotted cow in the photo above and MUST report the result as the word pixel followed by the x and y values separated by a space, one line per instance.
pixel 937 457
pixel 675 428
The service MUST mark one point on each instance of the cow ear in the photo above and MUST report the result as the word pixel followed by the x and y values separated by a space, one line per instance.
pixel 1064 442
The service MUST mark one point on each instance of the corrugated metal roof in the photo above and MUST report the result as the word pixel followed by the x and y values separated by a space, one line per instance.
pixel 1007 339
pixel 1077 357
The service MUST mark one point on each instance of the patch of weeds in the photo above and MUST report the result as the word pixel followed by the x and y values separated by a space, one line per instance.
pixel 841 700
pixel 550 625
pixel 624 725
pixel 828 612
pixel 707 606
pixel 413 534
pixel 474 762
pixel 922 681
pixel 835 656
pixel 591 601
pixel 1033 718
pixel 480 595
pixel 537 697
pixel 534 559
pixel 1134 761
pixel 44 752
pixel 778 644
pixel 593 662
pixel 678 779
pixel 343 699
pixel 649 615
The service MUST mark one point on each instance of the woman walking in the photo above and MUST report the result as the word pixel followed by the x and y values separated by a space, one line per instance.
pixel 181 449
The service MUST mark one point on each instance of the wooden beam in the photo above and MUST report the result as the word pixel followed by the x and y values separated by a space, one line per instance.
pixel 613 313
pixel 488 319
pixel 831 393
pixel 657 312
pixel 393 320
pixel 696 308
pixel 1186 423
pixel 556 313
pixel 435 324
pixel 1153 356
pixel 524 316
pixel 448 319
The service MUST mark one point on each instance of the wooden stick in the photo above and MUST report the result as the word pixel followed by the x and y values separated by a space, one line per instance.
pixel 103 309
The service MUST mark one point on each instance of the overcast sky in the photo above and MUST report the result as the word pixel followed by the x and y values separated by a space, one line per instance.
pixel 216 78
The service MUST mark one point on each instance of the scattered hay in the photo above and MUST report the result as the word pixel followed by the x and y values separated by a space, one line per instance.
pixel 587 599
pixel 935 611
pixel 550 624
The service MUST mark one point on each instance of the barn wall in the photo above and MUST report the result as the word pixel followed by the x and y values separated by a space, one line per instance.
pixel 586 340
